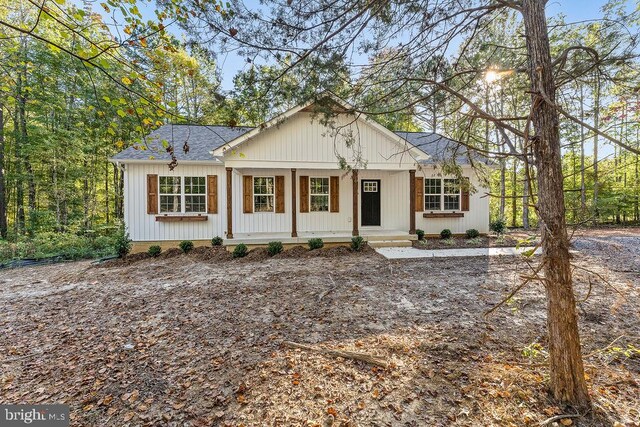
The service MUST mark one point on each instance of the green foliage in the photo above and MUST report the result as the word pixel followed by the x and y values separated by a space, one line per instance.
pixel 315 243
pixel 216 241
pixel 240 251
pixel 420 234
pixel 498 226
pixel 445 234
pixel 357 243
pixel 122 244
pixel 154 250
pixel 186 246
pixel 472 233
pixel 274 248
pixel 64 245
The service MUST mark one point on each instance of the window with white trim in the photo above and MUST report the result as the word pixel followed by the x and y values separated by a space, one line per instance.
pixel 432 194
pixel 170 194
pixel 195 194
pixel 441 194
pixel 319 194
pixel 263 194
pixel 183 194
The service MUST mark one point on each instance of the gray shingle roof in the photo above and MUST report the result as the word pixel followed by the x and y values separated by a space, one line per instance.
pixel 201 140
pixel 204 139
pixel 438 147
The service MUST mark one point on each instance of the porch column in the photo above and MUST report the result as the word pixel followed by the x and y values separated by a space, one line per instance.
pixel 294 205
pixel 355 216
pixel 412 201
pixel 229 204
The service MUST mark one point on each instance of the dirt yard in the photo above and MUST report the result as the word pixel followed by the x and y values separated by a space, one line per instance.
pixel 197 340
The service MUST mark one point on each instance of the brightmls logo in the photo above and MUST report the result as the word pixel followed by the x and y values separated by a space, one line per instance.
pixel 34 415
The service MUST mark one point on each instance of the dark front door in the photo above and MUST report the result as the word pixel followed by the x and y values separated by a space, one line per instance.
pixel 370 202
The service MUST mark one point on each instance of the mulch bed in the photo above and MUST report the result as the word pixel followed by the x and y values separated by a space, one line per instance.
pixel 463 242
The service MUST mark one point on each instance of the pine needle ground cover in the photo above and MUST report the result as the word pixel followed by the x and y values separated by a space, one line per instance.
pixel 197 339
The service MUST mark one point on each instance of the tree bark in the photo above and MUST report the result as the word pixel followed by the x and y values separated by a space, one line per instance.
pixel 567 380
pixel 596 124
pixel 3 188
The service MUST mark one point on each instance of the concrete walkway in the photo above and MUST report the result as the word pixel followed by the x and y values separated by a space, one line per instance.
pixel 400 253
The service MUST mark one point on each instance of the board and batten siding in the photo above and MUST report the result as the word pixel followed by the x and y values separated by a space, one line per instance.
pixel 476 217
pixel 303 142
pixel 144 227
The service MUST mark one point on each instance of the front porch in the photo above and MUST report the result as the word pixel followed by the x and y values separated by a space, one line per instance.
pixel 375 238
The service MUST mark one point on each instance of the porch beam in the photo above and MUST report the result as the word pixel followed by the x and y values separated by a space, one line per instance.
pixel 355 216
pixel 294 205
pixel 412 201
pixel 229 204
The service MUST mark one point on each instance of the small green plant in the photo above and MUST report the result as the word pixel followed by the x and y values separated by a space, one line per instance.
pixel 499 225
pixel 122 245
pixel 186 246
pixel 274 248
pixel 154 250
pixel 445 234
pixel 216 241
pixel 316 243
pixel 472 233
pixel 449 242
pixel 420 234
pixel 534 350
pixel 357 243
pixel 240 251
pixel 474 241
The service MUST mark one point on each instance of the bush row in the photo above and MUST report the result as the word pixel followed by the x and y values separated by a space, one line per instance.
pixel 471 233
pixel 241 250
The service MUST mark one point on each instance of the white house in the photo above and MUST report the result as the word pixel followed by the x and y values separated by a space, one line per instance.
pixel 282 181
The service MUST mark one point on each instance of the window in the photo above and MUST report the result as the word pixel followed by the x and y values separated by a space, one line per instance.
pixel 319 194
pixel 170 194
pixel 370 187
pixel 263 194
pixel 441 194
pixel 195 194
pixel 183 194
pixel 451 195
pixel 432 192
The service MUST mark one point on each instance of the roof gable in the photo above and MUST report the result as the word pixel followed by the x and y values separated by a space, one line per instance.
pixel 342 108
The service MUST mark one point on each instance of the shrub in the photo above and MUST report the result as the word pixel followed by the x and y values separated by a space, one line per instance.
pixel 316 243
pixel 186 246
pixel 472 233
pixel 499 225
pixel 274 248
pixel 216 241
pixel 154 250
pixel 445 234
pixel 240 251
pixel 357 243
pixel 122 244
pixel 420 234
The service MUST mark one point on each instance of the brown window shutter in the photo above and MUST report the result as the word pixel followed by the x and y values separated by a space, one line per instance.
pixel 464 199
pixel 419 194
pixel 304 194
pixel 334 189
pixel 279 194
pixel 247 194
pixel 152 194
pixel 212 194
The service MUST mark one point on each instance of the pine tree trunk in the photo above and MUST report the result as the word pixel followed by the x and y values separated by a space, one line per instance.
pixel 3 188
pixel 514 201
pixel 583 195
pixel 596 124
pixel 567 380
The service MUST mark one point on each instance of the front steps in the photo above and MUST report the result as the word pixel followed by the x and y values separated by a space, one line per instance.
pixel 391 241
